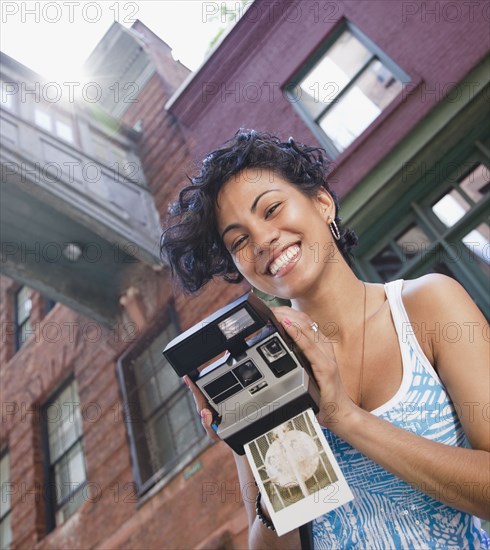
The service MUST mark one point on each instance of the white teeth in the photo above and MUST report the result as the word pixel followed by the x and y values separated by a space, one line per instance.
pixel 288 255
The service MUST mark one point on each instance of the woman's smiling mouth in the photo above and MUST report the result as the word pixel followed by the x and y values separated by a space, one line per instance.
pixel 290 255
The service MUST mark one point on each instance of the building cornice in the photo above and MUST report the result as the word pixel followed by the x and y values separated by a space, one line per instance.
pixel 225 59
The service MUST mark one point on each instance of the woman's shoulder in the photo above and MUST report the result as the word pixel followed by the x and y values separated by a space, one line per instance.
pixel 434 296
pixel 438 306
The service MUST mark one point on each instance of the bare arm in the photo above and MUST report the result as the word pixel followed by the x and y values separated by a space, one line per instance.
pixel 258 535
pixel 458 477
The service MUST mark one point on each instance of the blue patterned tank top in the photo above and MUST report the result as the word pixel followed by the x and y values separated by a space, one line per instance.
pixel 388 513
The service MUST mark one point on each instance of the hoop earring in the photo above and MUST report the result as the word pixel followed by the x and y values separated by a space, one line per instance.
pixel 333 228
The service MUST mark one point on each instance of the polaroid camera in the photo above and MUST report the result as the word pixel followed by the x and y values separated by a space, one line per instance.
pixel 258 379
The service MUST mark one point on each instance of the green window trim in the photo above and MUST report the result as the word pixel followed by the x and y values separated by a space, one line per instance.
pixel 402 189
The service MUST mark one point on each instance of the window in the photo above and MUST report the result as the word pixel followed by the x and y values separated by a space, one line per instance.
pixel 64 459
pixel 5 491
pixel 64 130
pixel 114 156
pixel 48 305
pixel 43 119
pixel 164 429
pixel 60 123
pixel 344 88
pixel 8 91
pixel 23 307
pixel 445 230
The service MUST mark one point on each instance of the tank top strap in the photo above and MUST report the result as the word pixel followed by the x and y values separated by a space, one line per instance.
pixel 393 291
pixel 409 345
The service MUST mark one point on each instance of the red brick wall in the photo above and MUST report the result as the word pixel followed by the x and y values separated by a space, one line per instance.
pixel 436 42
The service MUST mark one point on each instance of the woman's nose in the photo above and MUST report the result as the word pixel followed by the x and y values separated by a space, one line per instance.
pixel 266 237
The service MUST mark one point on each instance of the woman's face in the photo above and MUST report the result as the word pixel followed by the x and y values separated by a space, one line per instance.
pixel 278 237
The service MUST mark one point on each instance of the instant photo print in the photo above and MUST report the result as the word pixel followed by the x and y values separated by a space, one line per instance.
pixel 296 473
pixel 252 373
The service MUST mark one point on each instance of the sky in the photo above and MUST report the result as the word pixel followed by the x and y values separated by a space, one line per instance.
pixel 54 38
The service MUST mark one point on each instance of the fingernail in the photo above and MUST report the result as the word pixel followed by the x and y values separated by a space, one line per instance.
pixel 186 382
pixel 203 415
pixel 287 322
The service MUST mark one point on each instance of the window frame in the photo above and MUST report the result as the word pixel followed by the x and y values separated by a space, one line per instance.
pixel 18 325
pixel 10 103
pixel 166 472
pixel 376 53
pixel 52 506
pixel 416 207
pixel 4 452
pixel 55 120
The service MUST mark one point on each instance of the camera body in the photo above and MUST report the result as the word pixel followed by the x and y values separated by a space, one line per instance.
pixel 260 379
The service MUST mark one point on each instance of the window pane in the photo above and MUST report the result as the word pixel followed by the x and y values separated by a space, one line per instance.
pixel 76 466
pixel 160 442
pixel 64 131
pixel 387 263
pixel 143 368
pixel 24 304
pixel 477 241
pixel 185 422
pixel 69 473
pixel 477 183
pixel 451 208
pixel 5 533
pixel 62 480
pixel 379 84
pixel 8 91
pixel 43 119
pixel 149 397
pixel 5 488
pixel 413 241
pixel 174 433
pixel 372 92
pixel 70 507
pixel 101 148
pixel 157 378
pixel 64 422
pixel 168 381
pixel 332 73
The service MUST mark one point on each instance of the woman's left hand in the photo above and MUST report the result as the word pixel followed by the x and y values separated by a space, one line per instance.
pixel 335 403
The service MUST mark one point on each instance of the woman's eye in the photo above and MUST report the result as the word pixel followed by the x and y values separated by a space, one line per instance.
pixel 238 243
pixel 271 210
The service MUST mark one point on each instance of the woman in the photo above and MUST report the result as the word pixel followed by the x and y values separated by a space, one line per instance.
pixel 399 407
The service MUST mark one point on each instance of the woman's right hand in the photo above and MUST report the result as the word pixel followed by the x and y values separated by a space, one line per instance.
pixel 203 409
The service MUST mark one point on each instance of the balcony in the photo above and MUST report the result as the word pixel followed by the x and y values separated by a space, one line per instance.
pixel 77 229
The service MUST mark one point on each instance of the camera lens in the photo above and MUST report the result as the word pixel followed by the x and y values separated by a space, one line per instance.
pixel 247 373
pixel 273 350
pixel 273 347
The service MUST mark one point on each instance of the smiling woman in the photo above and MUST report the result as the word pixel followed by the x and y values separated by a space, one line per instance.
pixel 261 209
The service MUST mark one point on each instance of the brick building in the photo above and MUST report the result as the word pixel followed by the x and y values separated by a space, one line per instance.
pixel 100 445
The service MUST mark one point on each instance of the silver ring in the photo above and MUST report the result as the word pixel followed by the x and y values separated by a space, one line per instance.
pixel 314 327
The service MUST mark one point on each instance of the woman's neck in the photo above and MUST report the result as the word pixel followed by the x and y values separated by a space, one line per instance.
pixel 337 304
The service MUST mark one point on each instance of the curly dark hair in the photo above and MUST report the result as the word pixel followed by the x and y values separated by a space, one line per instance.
pixel 192 245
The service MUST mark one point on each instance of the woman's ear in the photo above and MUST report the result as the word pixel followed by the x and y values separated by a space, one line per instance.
pixel 325 204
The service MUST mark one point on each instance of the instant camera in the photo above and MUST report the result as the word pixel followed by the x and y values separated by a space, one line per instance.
pixel 251 372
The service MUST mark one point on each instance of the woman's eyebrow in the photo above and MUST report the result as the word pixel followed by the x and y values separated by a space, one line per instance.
pixel 255 202
pixel 229 228
pixel 253 208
